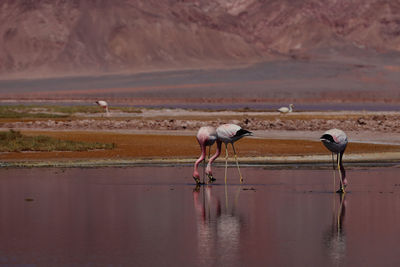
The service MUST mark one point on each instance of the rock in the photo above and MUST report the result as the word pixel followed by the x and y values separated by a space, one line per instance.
pixel 361 121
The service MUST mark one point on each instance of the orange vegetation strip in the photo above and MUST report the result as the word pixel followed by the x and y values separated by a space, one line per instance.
pixel 142 146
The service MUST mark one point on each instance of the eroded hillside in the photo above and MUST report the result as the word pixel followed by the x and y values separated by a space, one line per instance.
pixel 91 36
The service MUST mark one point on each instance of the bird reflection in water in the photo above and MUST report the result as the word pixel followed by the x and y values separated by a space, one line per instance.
pixel 336 236
pixel 218 228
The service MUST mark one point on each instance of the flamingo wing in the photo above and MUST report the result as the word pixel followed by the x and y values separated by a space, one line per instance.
pixel 227 131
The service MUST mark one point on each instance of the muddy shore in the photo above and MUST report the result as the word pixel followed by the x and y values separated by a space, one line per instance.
pixel 177 120
pixel 167 136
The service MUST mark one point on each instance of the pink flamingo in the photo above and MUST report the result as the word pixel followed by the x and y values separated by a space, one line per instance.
pixel 206 136
pixel 335 140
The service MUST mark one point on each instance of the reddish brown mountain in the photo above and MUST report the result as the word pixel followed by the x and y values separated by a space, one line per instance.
pixel 89 36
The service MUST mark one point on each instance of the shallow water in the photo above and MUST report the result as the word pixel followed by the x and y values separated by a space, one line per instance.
pixel 234 106
pixel 154 216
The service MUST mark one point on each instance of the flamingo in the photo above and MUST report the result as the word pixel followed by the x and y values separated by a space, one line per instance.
pixel 206 136
pixel 229 133
pixel 104 105
pixel 286 109
pixel 335 140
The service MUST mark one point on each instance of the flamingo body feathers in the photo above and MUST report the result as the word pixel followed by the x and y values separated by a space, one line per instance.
pixel 102 103
pixel 335 140
pixel 286 109
pixel 229 133
pixel 206 135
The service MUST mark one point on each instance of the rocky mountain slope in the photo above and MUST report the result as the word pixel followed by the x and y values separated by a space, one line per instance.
pixel 98 36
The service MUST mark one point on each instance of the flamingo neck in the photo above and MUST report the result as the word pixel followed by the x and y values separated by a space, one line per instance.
pixel 199 160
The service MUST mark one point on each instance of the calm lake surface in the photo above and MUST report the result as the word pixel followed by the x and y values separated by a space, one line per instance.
pixel 155 216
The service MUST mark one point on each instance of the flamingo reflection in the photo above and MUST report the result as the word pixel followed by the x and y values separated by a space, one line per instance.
pixel 336 237
pixel 218 228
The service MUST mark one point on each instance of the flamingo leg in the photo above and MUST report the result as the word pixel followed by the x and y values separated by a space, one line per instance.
pixel 341 190
pixel 334 181
pixel 237 164
pixel 196 174
pixel 204 163
pixel 333 161
pixel 204 169
pixel 226 160
pixel 211 160
pixel 334 174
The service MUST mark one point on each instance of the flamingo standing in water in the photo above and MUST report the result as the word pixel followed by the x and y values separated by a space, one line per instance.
pixel 104 105
pixel 229 133
pixel 206 136
pixel 285 109
pixel 336 141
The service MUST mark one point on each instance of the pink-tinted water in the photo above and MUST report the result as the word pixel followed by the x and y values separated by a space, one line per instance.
pixel 153 216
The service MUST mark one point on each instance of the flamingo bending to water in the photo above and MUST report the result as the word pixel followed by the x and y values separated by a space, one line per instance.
pixel 336 141
pixel 104 105
pixel 206 136
pixel 229 133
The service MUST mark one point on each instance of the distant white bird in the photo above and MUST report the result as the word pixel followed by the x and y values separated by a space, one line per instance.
pixel 104 105
pixel 229 133
pixel 286 109
pixel 336 141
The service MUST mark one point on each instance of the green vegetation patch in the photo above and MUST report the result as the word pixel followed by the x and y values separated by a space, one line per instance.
pixel 27 112
pixel 48 111
pixel 14 141
pixel 88 109
pixel 70 110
